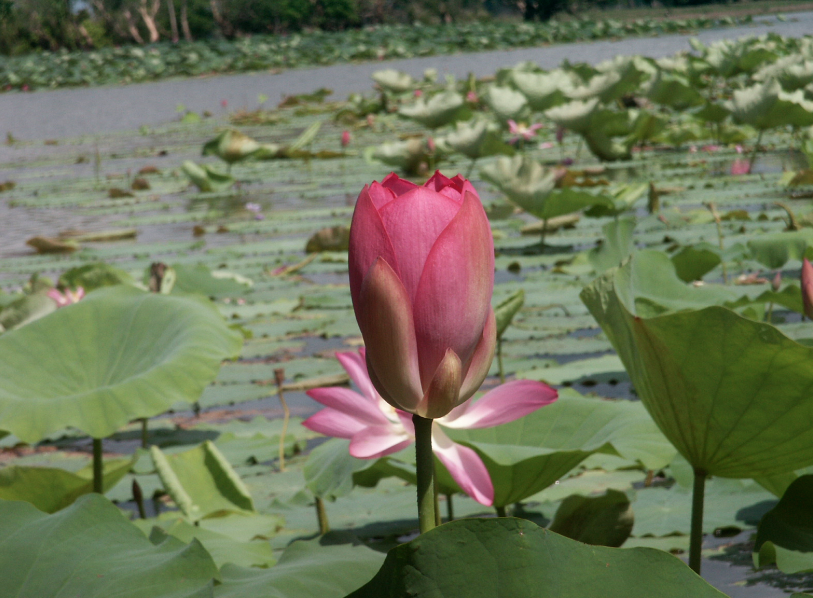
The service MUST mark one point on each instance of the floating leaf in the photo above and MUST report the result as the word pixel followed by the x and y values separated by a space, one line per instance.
pixel 604 520
pixel 231 146
pixel 785 534
pixel 206 178
pixel 441 109
pixel 201 481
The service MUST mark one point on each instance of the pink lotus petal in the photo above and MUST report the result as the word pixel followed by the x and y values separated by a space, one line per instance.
pixel 465 467
pixel 385 319
pixel 356 367
pixel 397 185
pixel 334 423
pixel 444 388
pixel 368 241
pixel 501 405
pixel 414 221
pixel 512 126
pixel 378 441
pixel 349 402
pixel 453 301
pixel 481 359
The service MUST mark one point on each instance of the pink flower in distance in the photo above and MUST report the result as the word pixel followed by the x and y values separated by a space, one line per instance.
pixel 740 166
pixel 421 264
pixel 376 429
pixel 345 138
pixel 522 131
pixel 69 297
pixel 472 98
pixel 807 288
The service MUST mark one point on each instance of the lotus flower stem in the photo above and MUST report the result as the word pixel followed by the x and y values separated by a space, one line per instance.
pixel 279 376
pixel 449 508
pixel 138 497
pixel 438 519
pixel 714 214
pixel 500 511
pixel 696 537
pixel 471 167
pixel 145 435
pixel 98 467
pixel 754 153
pixel 321 515
pixel 425 465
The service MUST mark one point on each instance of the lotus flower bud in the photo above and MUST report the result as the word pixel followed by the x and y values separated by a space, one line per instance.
pixel 807 288
pixel 776 283
pixel 421 264
pixel 345 138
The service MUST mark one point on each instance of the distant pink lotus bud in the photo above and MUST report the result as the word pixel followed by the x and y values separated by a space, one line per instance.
pixel 345 138
pixel 807 288
pixel 417 93
pixel 421 264
pixel 739 149
pixel 472 98
pixel 740 166
pixel 67 298
pixel 430 144
pixel 776 283
pixel 546 145
pixel 224 103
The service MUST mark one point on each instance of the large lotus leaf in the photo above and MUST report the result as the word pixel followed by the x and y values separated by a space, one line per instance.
pixel 89 549
pixel 201 481
pixel 543 90
pixel 774 250
pixel 598 126
pixel 695 261
pixel 575 116
pixel 766 105
pixel 711 112
pixel 51 488
pixel 785 534
pixel 731 394
pixel 320 567
pixel 506 103
pixel 533 188
pixel 645 126
pixel 528 455
pixel 117 355
pixel 231 146
pixel 394 81
pixel 25 309
pixel 206 178
pixel 673 90
pixel 441 109
pixel 514 558
pixel 619 200
pixel 330 467
pixel 610 85
pixel 477 139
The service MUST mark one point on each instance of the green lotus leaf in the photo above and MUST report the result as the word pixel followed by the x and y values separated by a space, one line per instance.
pixel 695 261
pixel 88 549
pixel 231 146
pixel 615 79
pixel 117 355
pixel 330 566
pixel 604 520
pixel 477 139
pixel 201 481
pixel 211 283
pixel 330 467
pixel 26 309
pixel 394 81
pixel 408 155
pixel 711 112
pixel 620 199
pixel 506 103
pixel 793 72
pixel 206 178
pixel 785 534
pixel 543 90
pixel 93 276
pixel 506 309
pixel 598 126
pixel 677 134
pixel 673 90
pixel 731 394
pixel 51 488
pixel 766 105
pixel 533 188
pixel 515 557
pixel 575 116
pixel 439 110
pixel 616 246
pixel 774 250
